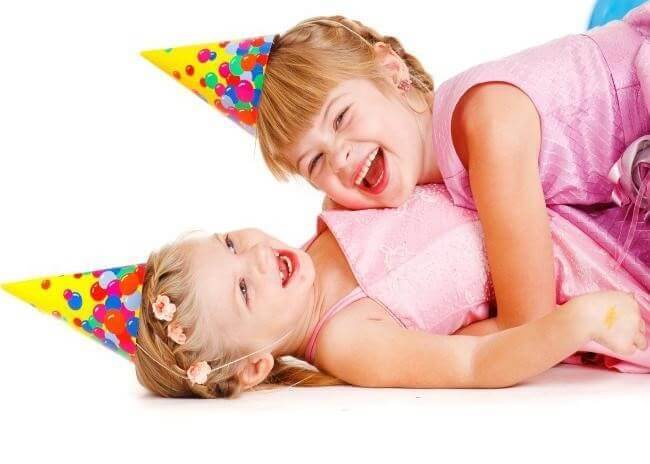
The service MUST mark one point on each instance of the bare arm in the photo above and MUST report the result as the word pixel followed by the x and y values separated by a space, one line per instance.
pixel 498 139
pixel 380 354
pixel 484 327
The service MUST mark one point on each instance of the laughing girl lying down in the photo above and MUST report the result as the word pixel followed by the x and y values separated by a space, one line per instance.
pixel 378 298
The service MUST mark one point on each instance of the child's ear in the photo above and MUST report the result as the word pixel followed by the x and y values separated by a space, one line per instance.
pixel 257 369
pixel 391 62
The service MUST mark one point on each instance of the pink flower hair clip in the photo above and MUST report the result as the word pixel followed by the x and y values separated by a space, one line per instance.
pixel 175 332
pixel 163 309
pixel 198 372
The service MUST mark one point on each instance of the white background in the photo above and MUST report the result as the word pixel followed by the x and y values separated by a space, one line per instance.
pixel 103 157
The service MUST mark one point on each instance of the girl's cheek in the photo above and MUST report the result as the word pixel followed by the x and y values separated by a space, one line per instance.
pixel 340 195
pixel 318 185
pixel 322 183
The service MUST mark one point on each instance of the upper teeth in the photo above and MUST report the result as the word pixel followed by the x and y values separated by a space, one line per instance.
pixel 287 262
pixel 366 166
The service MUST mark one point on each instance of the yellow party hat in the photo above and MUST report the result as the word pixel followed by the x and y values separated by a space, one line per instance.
pixel 227 75
pixel 103 304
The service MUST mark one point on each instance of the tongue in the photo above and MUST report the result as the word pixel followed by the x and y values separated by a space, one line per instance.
pixel 375 171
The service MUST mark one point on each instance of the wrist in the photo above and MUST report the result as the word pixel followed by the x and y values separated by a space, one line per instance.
pixel 580 318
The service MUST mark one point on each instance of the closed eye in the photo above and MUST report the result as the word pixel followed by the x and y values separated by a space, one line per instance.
pixel 313 162
pixel 337 123
pixel 339 118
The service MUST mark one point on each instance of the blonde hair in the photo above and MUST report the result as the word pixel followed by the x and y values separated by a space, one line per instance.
pixel 161 364
pixel 305 64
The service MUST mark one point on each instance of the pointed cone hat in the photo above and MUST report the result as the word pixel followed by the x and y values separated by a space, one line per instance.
pixel 102 304
pixel 227 75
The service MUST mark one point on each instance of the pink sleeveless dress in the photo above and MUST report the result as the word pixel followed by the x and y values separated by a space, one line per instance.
pixel 592 93
pixel 425 263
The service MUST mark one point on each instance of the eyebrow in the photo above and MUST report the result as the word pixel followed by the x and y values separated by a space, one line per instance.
pixel 237 298
pixel 218 237
pixel 325 118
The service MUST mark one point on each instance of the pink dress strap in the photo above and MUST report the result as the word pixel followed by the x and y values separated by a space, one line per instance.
pixel 350 298
pixel 309 242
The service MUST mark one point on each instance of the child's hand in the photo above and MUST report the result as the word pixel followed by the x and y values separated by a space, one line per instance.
pixel 329 204
pixel 615 320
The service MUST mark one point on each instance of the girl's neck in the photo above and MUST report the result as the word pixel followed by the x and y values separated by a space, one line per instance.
pixel 429 170
pixel 333 279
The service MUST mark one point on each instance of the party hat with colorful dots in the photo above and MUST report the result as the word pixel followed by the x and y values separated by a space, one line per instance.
pixel 103 304
pixel 228 75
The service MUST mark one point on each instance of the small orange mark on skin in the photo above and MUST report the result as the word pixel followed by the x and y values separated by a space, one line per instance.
pixel 610 317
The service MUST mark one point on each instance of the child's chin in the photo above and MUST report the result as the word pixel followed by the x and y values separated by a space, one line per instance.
pixel 357 203
pixel 397 195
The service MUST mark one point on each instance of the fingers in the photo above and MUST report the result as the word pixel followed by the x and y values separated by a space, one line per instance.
pixel 633 298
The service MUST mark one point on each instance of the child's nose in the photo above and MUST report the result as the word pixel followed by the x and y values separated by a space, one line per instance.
pixel 262 258
pixel 339 159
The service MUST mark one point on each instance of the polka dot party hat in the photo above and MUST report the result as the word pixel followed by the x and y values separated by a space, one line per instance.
pixel 227 75
pixel 102 304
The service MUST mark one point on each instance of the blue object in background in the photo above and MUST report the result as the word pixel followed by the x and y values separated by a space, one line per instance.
pixel 609 10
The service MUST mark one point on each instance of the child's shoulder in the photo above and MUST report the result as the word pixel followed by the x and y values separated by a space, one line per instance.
pixel 492 112
pixel 351 335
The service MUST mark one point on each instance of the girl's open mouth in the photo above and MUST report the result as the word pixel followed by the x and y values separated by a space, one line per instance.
pixel 288 265
pixel 372 176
